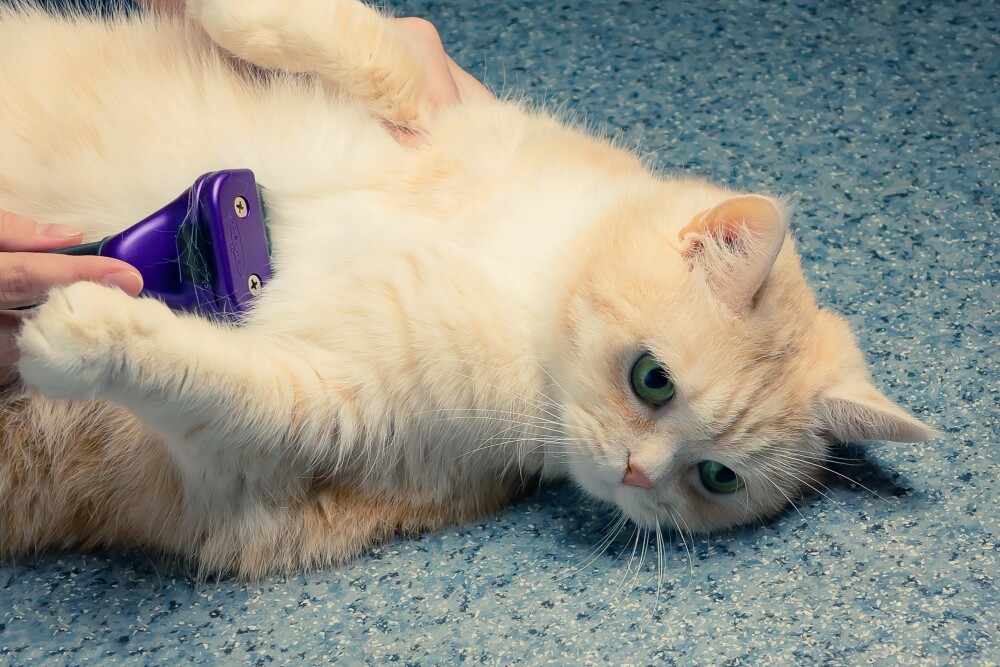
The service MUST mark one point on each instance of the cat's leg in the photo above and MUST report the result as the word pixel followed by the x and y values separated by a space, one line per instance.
pixel 83 474
pixel 242 416
pixel 345 42
pixel 331 523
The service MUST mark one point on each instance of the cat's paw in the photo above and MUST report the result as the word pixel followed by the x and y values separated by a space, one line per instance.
pixel 78 341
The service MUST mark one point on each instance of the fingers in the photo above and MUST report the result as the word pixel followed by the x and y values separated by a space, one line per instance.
pixel 422 33
pixel 449 83
pixel 469 87
pixel 18 233
pixel 25 278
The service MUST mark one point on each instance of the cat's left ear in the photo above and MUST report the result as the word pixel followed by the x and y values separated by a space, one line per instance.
pixel 736 244
pixel 857 411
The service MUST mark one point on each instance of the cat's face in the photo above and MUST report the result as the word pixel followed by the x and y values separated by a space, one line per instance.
pixel 701 383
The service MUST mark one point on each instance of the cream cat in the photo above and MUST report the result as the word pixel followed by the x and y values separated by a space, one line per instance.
pixel 510 298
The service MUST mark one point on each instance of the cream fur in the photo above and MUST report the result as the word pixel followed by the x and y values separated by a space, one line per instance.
pixel 444 322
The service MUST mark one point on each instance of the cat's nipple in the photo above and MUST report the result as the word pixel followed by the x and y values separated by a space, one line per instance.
pixel 635 476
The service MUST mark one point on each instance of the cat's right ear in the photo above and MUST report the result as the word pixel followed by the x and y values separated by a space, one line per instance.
pixel 736 244
pixel 857 411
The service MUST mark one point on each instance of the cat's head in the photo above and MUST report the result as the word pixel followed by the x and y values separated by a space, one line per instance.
pixel 701 384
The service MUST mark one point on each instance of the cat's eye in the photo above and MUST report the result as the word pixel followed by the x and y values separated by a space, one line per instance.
pixel 718 478
pixel 651 382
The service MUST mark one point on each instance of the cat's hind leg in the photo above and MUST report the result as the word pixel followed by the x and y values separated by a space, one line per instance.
pixel 348 44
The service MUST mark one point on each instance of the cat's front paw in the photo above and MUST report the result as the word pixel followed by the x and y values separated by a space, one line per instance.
pixel 78 341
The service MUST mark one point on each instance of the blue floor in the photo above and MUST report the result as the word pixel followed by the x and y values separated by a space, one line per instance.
pixel 882 119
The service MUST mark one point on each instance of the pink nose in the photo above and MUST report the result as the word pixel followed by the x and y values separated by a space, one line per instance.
pixel 634 476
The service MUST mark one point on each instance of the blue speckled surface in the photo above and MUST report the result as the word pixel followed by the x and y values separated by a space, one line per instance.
pixel 882 119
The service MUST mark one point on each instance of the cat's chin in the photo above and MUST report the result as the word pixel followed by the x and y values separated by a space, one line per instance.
pixel 634 503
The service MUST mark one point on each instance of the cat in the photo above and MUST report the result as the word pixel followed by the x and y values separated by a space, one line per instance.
pixel 505 299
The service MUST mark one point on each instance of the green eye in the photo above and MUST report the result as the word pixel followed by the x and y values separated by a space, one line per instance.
pixel 651 382
pixel 717 478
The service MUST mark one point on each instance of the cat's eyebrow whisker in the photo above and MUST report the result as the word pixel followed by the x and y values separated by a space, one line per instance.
pixel 541 407
pixel 524 423
pixel 825 493
pixel 511 423
pixel 792 458
pixel 811 456
pixel 554 381
pixel 517 441
pixel 481 364
pixel 478 413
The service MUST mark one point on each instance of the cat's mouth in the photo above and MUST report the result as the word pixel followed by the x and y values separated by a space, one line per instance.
pixel 639 504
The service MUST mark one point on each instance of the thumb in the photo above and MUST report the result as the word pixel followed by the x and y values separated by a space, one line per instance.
pixel 18 234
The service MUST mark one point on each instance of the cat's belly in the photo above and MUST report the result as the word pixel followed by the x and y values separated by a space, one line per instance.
pixel 100 124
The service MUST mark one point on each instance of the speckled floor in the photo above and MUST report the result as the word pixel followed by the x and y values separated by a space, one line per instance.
pixel 882 119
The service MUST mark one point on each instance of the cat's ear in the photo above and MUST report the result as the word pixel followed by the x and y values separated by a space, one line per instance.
pixel 856 412
pixel 735 244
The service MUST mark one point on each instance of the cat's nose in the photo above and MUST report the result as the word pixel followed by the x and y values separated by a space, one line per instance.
pixel 635 476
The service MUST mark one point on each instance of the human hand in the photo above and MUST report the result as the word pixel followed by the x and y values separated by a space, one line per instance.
pixel 449 83
pixel 26 275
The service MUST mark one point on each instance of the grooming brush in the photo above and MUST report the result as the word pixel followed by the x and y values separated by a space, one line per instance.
pixel 207 251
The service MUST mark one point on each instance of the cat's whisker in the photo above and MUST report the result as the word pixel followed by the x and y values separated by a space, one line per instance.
pixel 488 414
pixel 541 407
pixel 516 441
pixel 628 571
pixel 676 517
pixel 638 571
pixel 790 502
pixel 640 565
pixel 838 505
pixel 830 470
pixel 607 540
pixel 825 493
pixel 554 381
pixel 811 456
pixel 659 567
pixel 789 473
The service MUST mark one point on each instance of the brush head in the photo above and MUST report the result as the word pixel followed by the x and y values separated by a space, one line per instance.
pixel 208 251
pixel 223 248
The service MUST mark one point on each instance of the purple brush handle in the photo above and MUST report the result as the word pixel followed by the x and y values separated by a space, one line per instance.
pixel 207 251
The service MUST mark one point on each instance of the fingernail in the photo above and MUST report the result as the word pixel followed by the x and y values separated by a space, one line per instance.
pixel 129 281
pixel 54 231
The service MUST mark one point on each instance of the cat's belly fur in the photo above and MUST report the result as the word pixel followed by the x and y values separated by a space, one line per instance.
pixel 100 126
pixel 129 115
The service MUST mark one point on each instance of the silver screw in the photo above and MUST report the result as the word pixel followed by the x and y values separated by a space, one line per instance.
pixel 241 207
pixel 253 282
